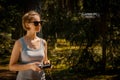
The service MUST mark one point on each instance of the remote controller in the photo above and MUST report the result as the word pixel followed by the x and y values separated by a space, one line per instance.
pixel 45 66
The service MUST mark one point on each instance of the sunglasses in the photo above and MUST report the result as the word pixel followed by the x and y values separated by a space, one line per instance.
pixel 36 23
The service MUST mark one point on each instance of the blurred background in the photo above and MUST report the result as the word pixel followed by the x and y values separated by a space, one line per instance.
pixel 83 37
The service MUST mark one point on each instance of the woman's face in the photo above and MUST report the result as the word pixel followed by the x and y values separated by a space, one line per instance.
pixel 34 24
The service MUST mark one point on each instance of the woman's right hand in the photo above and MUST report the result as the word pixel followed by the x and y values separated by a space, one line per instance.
pixel 34 66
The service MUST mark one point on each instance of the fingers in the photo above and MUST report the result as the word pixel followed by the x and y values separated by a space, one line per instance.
pixel 47 62
pixel 34 66
pixel 36 63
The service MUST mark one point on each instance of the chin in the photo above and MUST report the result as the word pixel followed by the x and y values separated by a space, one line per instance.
pixel 37 30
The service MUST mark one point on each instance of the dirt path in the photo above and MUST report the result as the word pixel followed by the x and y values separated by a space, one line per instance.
pixel 7 75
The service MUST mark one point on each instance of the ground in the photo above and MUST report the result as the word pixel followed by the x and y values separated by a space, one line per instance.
pixel 5 74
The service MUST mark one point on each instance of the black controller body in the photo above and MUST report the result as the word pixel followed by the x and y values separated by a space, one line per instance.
pixel 45 66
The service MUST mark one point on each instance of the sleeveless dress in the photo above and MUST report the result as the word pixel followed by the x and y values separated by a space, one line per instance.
pixel 28 56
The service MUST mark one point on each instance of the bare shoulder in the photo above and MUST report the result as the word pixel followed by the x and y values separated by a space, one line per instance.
pixel 17 43
pixel 44 41
pixel 17 47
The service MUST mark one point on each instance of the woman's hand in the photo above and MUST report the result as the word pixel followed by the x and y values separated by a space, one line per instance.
pixel 46 62
pixel 34 66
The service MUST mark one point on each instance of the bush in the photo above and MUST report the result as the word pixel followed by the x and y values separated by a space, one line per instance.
pixel 5 48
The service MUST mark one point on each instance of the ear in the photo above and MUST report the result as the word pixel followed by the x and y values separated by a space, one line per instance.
pixel 27 26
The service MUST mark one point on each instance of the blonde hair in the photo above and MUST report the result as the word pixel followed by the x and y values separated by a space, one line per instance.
pixel 27 17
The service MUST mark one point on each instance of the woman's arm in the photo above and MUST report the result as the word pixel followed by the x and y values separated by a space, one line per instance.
pixel 13 64
pixel 45 51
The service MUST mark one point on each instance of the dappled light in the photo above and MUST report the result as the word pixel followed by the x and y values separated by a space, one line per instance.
pixel 83 37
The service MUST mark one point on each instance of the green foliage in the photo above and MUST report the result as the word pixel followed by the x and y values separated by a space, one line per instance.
pixel 10 20
pixel 5 48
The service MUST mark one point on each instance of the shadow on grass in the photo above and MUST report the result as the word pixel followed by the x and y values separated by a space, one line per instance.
pixel 115 73
pixel 111 74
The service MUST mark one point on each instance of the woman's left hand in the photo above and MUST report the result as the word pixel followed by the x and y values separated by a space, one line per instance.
pixel 47 62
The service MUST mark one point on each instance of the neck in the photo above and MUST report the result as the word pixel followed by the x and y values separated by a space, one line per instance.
pixel 31 35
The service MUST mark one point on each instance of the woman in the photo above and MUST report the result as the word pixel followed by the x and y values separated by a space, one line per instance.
pixel 29 51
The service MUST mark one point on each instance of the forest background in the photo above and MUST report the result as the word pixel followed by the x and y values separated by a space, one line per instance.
pixel 82 35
